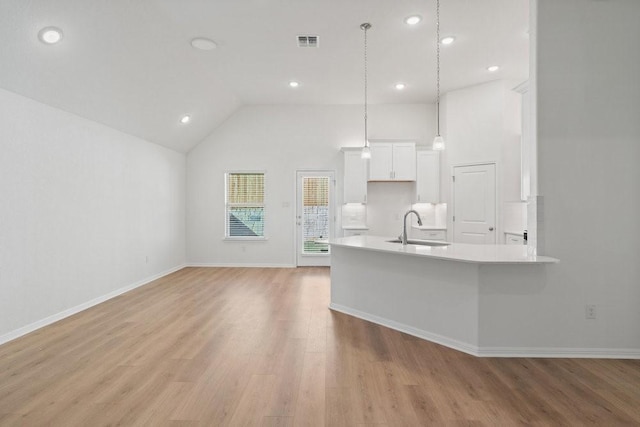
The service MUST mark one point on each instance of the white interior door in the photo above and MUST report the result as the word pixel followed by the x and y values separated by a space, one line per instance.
pixel 315 217
pixel 474 204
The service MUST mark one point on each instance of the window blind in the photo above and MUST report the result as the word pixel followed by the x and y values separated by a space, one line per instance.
pixel 315 201
pixel 244 202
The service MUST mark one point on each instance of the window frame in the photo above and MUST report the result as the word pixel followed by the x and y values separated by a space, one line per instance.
pixel 226 206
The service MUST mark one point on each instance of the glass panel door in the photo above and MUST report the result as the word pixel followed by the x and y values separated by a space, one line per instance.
pixel 314 217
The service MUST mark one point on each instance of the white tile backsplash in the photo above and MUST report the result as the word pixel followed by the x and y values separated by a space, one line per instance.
pixel 354 215
pixel 431 214
pixel 515 216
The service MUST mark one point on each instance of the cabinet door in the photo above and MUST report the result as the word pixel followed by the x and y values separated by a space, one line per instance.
pixel 513 239
pixel 432 234
pixel 381 162
pixel 427 177
pixel 349 233
pixel 355 177
pixel 404 161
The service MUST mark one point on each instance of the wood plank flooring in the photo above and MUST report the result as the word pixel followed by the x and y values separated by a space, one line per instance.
pixel 245 347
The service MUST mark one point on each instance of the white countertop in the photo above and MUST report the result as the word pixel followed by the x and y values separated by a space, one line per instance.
pixel 480 254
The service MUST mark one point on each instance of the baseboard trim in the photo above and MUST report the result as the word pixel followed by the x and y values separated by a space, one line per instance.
pixel 81 307
pixel 410 330
pixel 560 352
pixel 237 264
pixel 541 352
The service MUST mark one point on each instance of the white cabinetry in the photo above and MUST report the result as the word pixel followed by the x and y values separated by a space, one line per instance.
pixel 513 239
pixel 430 234
pixel 355 176
pixel 427 176
pixel 392 161
pixel 348 232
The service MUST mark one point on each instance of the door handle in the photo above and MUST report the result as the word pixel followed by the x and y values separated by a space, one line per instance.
pixel 490 228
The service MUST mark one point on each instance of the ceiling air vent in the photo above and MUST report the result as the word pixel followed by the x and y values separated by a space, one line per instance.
pixel 308 41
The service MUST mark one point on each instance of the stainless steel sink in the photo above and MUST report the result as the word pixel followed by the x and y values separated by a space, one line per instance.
pixel 420 242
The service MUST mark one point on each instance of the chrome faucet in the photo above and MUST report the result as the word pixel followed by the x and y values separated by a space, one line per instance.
pixel 403 237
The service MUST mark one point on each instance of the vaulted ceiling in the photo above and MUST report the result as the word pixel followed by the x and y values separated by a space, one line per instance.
pixel 130 65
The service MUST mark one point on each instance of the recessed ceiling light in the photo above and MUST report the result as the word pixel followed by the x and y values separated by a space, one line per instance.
pixel 412 20
pixel 203 44
pixel 493 68
pixel 400 86
pixel 185 119
pixel 50 35
pixel 294 84
pixel 447 40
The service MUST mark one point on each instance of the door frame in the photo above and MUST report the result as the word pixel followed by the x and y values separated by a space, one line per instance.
pixel 319 259
pixel 451 213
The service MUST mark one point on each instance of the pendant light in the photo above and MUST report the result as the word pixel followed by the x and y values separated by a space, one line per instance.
pixel 438 141
pixel 366 153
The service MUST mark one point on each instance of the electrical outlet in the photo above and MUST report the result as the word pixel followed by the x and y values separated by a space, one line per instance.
pixel 146 259
pixel 590 311
pixel 243 248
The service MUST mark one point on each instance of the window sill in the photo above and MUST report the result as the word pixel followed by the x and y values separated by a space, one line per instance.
pixel 245 239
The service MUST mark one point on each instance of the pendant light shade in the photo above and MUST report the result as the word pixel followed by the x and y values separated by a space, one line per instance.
pixel 366 152
pixel 438 141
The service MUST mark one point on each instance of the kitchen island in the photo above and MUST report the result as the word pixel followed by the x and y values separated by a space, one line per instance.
pixel 472 298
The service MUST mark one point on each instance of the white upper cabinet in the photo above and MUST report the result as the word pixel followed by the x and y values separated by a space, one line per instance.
pixel 355 176
pixel 392 161
pixel 404 161
pixel 427 176
pixel 381 162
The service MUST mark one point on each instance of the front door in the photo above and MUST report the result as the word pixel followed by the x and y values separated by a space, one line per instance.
pixel 314 217
pixel 474 204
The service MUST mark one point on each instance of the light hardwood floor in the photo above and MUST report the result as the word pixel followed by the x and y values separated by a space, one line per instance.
pixel 234 346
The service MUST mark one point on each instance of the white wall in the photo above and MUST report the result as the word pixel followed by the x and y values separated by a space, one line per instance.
pixel 588 95
pixel 82 207
pixel 588 104
pixel 481 124
pixel 280 140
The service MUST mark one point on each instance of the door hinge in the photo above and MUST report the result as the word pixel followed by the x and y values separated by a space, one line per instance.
pixel 454 178
pixel 454 218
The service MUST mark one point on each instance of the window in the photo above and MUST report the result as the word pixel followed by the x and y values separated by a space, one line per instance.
pixel 315 221
pixel 244 204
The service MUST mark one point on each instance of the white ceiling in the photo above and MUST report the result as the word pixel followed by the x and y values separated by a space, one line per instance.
pixel 129 64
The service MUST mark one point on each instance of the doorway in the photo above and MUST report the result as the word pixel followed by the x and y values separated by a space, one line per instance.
pixel 315 217
pixel 474 204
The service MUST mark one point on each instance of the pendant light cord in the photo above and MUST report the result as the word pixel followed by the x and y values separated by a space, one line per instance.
pixel 438 66
pixel 365 27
